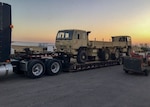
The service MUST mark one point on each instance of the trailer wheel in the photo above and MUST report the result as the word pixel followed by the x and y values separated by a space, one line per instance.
pixel 82 56
pixel 53 67
pixel 36 69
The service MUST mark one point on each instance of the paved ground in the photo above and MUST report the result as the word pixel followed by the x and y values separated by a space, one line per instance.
pixel 104 87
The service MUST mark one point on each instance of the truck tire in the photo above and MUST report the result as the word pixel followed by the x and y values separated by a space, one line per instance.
pixel 105 55
pixel 82 56
pixel 53 67
pixel 36 69
pixel 115 55
pixel 120 61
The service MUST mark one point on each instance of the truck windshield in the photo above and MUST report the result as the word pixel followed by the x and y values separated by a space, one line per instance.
pixel 121 39
pixel 64 35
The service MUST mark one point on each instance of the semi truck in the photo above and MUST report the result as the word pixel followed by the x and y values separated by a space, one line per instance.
pixel 32 65
pixel 35 65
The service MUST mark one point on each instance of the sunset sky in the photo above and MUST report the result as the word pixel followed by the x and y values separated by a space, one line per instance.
pixel 39 20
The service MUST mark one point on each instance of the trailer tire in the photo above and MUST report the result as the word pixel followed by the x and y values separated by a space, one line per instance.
pixel 53 67
pixel 36 69
pixel 82 56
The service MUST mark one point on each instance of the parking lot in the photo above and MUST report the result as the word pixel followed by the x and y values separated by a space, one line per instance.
pixel 103 87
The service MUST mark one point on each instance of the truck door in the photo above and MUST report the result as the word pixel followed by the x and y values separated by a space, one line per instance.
pixel 80 39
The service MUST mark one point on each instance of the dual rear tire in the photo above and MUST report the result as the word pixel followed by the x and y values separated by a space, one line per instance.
pixel 53 67
pixel 115 55
pixel 104 55
pixel 37 68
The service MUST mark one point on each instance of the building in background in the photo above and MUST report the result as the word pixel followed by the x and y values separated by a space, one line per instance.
pixel 18 46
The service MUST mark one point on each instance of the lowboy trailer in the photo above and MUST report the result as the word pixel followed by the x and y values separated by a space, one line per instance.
pixel 35 65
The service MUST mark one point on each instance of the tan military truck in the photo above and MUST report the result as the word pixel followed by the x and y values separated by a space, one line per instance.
pixel 75 44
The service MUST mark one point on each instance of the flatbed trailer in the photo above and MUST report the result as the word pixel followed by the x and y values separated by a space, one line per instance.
pixel 92 65
pixel 36 65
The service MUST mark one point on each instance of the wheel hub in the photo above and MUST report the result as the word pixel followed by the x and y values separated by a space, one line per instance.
pixel 37 69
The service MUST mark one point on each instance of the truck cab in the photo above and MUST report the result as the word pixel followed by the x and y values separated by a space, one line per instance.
pixel 121 40
pixel 123 43
pixel 5 39
pixel 69 41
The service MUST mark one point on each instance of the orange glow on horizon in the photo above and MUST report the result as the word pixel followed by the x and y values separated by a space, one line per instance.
pixel 138 30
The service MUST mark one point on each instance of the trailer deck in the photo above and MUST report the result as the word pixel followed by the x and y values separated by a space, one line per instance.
pixel 92 65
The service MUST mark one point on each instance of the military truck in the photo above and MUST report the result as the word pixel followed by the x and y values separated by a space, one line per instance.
pixel 76 44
